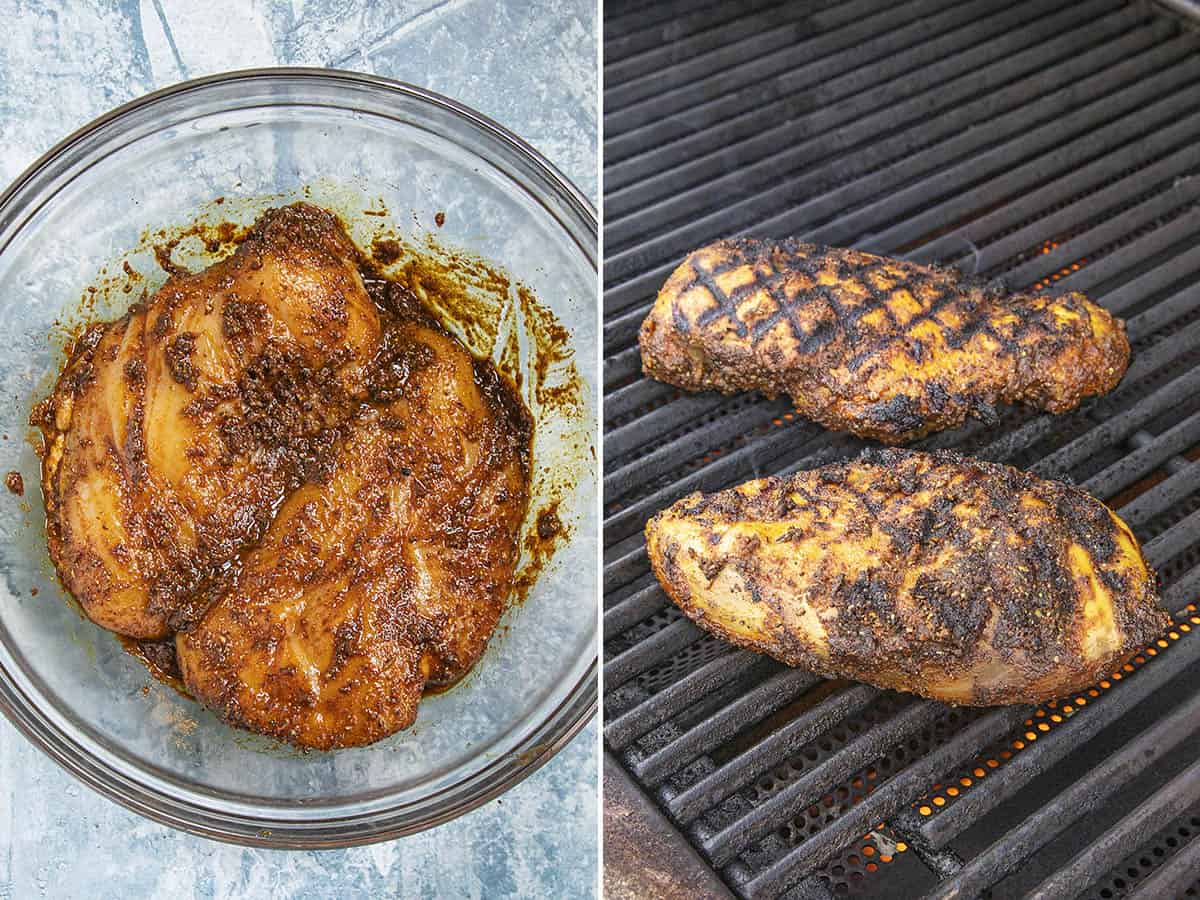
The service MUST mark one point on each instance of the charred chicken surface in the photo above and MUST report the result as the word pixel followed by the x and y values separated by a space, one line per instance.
pixel 965 581
pixel 879 347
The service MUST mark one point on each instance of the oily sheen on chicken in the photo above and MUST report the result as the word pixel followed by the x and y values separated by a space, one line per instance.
pixel 235 462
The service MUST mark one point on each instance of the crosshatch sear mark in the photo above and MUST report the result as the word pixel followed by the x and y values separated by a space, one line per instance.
pixel 773 282
pixel 760 329
pixel 725 304
pixel 846 318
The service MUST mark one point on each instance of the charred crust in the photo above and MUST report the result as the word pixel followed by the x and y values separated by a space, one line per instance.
pixel 843 333
pixel 975 575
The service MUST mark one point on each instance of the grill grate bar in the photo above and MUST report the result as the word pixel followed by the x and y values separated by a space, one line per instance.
pixel 1100 271
pixel 1173 541
pixel 1070 735
pixel 620 481
pixel 1182 229
pixel 1083 796
pixel 624 440
pixel 774 208
pixel 1093 205
pixel 1061 115
pixel 1107 851
pixel 1076 168
pixel 624 568
pixel 744 462
pixel 1182 193
pixel 1183 589
pixel 621 366
pixel 641 579
pixel 625 400
pixel 898 791
pixel 1175 306
pixel 1123 424
pixel 743 425
pixel 1173 877
pixel 712 31
pixel 757 703
pixel 1017 144
pixel 751 129
pixel 667 703
pixel 1145 459
pixel 722 847
pixel 656 32
pixel 649 20
pixel 709 53
pixel 1163 495
pixel 761 79
pixel 637 607
pixel 1171 466
pixel 942 863
pixel 740 771
pixel 650 652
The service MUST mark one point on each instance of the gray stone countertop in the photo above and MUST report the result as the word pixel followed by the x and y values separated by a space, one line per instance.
pixel 532 68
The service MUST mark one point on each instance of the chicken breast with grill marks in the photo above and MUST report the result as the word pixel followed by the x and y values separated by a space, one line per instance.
pixel 878 347
pixel 960 580
pixel 173 431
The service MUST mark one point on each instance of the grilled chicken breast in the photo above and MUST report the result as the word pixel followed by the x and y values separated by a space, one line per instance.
pixel 964 581
pixel 389 575
pixel 173 431
pixel 879 347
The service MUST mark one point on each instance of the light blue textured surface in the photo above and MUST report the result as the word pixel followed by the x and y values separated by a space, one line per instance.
pixel 532 68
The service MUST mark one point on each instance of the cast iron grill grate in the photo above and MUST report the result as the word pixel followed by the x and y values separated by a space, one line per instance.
pixel 1045 143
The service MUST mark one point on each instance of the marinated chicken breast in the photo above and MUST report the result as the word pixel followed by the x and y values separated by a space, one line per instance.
pixel 388 575
pixel 290 485
pixel 173 431
pixel 879 347
pixel 960 580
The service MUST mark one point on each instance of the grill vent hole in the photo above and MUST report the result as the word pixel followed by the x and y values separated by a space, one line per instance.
pixel 1137 868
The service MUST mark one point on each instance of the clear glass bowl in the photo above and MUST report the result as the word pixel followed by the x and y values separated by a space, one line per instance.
pixel 67 684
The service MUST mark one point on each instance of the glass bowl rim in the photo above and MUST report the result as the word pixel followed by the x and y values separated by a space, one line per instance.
pixel 543 742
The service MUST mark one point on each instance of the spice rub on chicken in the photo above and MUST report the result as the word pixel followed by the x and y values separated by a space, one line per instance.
pixel 964 581
pixel 878 347
pixel 298 477
pixel 173 431
pixel 385 576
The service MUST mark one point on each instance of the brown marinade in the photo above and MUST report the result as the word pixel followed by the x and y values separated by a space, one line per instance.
pixel 293 488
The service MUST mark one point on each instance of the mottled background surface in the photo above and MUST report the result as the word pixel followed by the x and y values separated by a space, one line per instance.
pixel 532 68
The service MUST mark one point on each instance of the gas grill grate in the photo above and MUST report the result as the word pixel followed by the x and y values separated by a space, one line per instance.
pixel 1051 144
